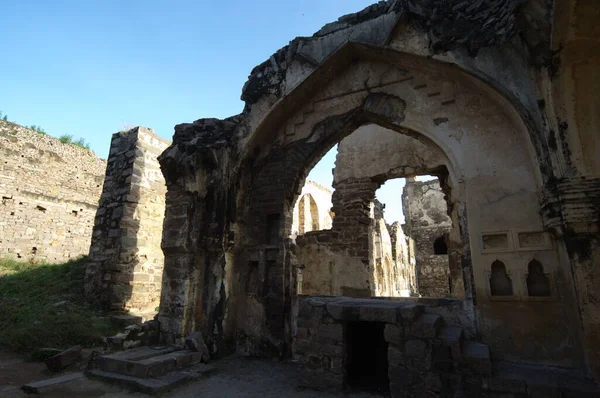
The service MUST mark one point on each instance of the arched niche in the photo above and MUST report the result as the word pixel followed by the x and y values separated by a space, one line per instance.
pixel 501 284
pixel 538 282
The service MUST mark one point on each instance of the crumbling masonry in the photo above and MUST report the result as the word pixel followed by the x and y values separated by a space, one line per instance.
pixel 125 265
pixel 504 96
pixel 49 194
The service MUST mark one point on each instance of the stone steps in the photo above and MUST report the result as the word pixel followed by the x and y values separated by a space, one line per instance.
pixel 150 370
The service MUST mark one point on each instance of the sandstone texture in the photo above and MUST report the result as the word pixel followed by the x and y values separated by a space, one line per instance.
pixel 428 226
pixel 49 192
pixel 498 99
pixel 125 261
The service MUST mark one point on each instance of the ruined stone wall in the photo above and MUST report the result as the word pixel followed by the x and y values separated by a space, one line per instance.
pixel 404 258
pixel 126 261
pixel 392 265
pixel 49 193
pixel 463 85
pixel 312 211
pixel 327 267
pixel 428 226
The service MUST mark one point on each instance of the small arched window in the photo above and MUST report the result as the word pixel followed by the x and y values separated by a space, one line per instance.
pixel 538 284
pixel 439 246
pixel 500 282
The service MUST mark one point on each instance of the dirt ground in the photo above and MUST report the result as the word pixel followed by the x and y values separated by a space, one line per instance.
pixel 237 377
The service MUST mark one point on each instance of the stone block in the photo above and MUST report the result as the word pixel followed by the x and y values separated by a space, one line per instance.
pixel 395 356
pixel 415 348
pixel 402 377
pixel 426 326
pixel 39 387
pixel 333 333
pixel 64 359
pixel 303 333
pixel 453 337
pixel 343 312
pixel 411 311
pixel 373 313
pixel 394 334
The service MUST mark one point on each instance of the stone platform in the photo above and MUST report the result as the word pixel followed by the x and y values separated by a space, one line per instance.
pixel 151 370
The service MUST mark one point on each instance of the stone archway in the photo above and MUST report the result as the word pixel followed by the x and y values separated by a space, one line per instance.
pixel 231 198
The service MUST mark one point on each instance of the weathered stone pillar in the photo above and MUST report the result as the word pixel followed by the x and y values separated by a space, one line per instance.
pixel 194 238
pixel 352 224
pixel 571 210
pixel 125 266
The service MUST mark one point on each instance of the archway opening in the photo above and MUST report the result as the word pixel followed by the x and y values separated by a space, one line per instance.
pixel 363 244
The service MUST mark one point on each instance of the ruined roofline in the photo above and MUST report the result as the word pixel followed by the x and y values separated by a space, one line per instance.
pixel 423 183
pixel 475 25
pixel 482 24
pixel 319 186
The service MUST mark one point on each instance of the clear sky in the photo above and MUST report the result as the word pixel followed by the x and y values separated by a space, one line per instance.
pixel 93 67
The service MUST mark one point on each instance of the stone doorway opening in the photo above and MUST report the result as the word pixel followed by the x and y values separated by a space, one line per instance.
pixel 366 358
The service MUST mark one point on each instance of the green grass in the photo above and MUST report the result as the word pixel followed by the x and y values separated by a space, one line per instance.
pixel 42 305
pixel 38 129
pixel 68 139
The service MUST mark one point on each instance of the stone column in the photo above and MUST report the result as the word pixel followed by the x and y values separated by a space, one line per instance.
pixel 571 210
pixel 125 263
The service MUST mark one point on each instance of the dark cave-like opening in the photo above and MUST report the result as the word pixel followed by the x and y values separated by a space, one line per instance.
pixel 367 357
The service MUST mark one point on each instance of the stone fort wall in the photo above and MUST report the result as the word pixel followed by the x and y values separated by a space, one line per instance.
pixel 49 194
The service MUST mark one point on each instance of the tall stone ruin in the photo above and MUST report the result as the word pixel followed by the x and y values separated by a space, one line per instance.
pixel 495 98
pixel 125 259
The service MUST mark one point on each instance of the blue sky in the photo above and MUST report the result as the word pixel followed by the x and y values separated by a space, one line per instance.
pixel 91 68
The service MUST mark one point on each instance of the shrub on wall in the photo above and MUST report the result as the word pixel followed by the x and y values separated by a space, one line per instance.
pixel 68 139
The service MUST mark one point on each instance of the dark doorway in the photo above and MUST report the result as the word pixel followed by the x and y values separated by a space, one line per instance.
pixel 367 357
pixel 439 246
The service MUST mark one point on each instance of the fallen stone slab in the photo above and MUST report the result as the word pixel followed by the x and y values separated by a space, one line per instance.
pixel 64 359
pixel 38 387
pixel 152 386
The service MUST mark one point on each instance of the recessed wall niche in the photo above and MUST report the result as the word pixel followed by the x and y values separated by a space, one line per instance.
pixel 533 240
pixel 494 242
pixel 539 282
pixel 500 284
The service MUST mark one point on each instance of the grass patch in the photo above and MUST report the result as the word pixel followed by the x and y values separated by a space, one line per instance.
pixel 42 305
pixel 37 129
pixel 68 139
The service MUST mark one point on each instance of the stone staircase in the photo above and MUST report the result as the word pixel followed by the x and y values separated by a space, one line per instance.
pixel 151 370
